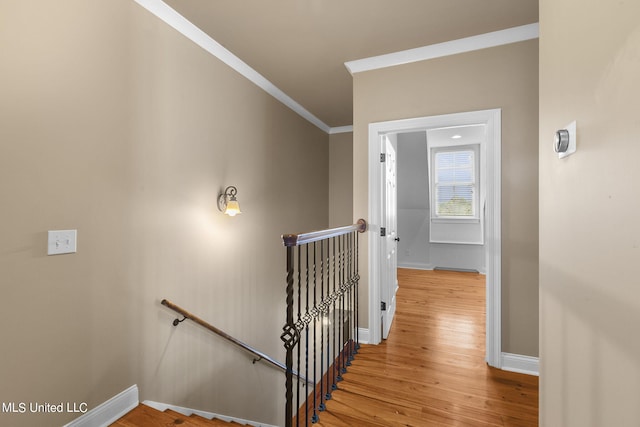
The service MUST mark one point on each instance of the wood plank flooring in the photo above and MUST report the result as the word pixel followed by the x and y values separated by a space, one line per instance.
pixel 431 370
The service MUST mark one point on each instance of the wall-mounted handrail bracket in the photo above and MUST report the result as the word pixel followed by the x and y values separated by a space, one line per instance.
pixel 176 322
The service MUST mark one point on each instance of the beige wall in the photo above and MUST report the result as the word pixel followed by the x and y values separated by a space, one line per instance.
pixel 113 124
pixel 340 179
pixel 589 211
pixel 503 77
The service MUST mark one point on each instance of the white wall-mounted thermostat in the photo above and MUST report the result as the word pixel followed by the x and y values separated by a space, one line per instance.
pixel 565 141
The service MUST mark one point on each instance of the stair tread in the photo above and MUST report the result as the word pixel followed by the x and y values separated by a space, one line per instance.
pixel 146 416
pixel 186 420
pixel 143 415
pixel 214 422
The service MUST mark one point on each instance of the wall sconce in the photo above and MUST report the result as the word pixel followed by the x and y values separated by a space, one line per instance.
pixel 227 202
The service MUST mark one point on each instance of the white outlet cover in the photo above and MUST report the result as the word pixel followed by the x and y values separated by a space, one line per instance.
pixel 62 242
pixel 571 127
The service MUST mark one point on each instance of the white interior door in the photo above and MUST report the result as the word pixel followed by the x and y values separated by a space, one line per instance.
pixel 389 266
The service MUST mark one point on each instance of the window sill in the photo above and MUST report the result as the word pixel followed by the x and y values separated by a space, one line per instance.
pixel 455 220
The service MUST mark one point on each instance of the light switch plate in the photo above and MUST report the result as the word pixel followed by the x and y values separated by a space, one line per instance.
pixel 62 242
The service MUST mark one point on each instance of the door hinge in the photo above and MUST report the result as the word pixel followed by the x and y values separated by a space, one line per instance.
pixel 383 157
pixel 383 306
pixel 383 231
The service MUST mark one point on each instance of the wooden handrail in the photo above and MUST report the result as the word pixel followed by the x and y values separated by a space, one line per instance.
pixel 314 236
pixel 260 355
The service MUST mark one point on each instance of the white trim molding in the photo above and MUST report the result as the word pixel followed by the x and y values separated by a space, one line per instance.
pixel 415 265
pixel 522 364
pixel 199 37
pixel 453 47
pixel 492 118
pixel 109 411
pixel 209 415
pixel 363 336
pixel 341 129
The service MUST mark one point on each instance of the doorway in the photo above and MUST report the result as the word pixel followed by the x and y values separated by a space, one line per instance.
pixel 380 277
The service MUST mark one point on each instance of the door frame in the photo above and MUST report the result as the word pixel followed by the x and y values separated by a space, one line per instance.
pixel 493 218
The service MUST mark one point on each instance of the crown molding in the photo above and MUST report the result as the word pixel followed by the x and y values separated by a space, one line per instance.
pixel 181 24
pixel 468 44
pixel 341 129
pixel 185 27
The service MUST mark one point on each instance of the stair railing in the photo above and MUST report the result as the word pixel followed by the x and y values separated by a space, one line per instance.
pixel 322 316
pixel 258 355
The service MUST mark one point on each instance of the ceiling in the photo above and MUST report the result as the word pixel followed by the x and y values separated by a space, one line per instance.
pixel 301 45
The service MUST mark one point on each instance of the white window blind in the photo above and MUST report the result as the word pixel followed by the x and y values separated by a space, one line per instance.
pixel 455 183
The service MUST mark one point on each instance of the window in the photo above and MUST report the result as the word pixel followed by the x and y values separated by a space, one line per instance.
pixel 455 183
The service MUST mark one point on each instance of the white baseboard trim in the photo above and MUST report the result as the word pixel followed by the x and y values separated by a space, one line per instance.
pixel 522 364
pixel 418 266
pixel 363 336
pixel 415 266
pixel 187 411
pixel 108 412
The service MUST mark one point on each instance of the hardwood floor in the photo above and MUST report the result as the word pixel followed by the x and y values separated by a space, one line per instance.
pixel 431 370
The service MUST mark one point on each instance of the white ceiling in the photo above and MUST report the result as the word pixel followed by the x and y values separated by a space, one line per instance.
pixel 301 46
pixel 458 135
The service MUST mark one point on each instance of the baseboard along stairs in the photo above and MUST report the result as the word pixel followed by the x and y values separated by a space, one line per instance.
pixel 126 410
pixel 143 415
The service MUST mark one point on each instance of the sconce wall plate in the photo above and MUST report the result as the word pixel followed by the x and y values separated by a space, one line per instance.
pixel 565 141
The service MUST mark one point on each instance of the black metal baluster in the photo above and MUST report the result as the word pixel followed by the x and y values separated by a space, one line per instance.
pixel 357 296
pixel 340 307
pixel 289 338
pixel 323 314
pixel 298 323
pixel 354 290
pixel 345 285
pixel 314 418
pixel 343 302
pixel 334 385
pixel 349 298
pixel 306 346
pixel 328 314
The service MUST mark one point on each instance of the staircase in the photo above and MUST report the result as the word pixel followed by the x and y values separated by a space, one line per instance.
pixel 144 415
